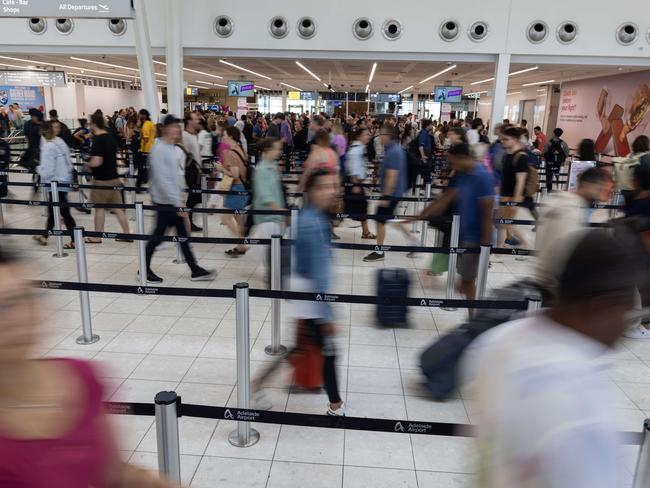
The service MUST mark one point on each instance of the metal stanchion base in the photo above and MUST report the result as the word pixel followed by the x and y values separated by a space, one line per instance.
pixel 448 309
pixel 253 438
pixel 82 340
pixel 63 255
pixel 281 351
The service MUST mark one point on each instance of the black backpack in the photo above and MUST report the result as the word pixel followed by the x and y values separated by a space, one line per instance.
pixel 555 154
pixel 192 170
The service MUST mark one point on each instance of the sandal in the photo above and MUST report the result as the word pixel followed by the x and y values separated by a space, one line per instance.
pixel 91 240
pixel 368 235
pixel 41 240
pixel 68 245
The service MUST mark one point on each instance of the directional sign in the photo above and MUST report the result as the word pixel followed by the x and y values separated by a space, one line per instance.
pixel 104 9
pixel 32 78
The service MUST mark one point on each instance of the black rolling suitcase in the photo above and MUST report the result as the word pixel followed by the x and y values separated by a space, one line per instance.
pixel 392 283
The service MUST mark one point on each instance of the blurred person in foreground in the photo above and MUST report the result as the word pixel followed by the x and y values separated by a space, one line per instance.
pixel 313 274
pixel 53 430
pixel 544 410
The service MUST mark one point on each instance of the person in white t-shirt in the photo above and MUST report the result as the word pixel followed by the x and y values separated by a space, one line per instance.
pixel 544 407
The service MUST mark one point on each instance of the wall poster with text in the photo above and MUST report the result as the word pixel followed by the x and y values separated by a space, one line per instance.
pixel 26 96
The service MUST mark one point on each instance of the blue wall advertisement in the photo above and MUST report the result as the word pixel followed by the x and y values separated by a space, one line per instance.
pixel 26 96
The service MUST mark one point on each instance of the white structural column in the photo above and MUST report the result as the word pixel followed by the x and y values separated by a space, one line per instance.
pixel 145 61
pixel 500 89
pixel 284 100
pixel 416 112
pixel 174 55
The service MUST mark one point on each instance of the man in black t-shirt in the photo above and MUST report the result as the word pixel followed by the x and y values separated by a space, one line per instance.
pixel 103 165
pixel 513 183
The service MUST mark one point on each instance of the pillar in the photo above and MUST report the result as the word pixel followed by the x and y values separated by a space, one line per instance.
pixel 174 58
pixel 145 60
pixel 416 112
pixel 500 89
pixel 284 100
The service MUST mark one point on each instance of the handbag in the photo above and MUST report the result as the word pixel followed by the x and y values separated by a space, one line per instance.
pixel 226 182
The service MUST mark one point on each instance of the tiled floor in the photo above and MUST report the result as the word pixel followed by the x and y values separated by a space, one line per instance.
pixel 149 344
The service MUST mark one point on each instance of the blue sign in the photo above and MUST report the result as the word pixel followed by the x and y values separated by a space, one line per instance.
pixel 25 96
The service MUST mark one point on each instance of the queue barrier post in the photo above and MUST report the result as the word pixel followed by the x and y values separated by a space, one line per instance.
pixel 276 348
pixel 180 259
pixel 2 216
pixel 294 233
pixel 82 197
pixel 483 266
pixel 453 259
pixel 87 337
pixel 416 205
pixel 533 303
pixel 243 435
pixel 204 203
pixel 169 457
pixel 142 260
pixel 54 189
pixel 425 224
pixel 43 198
pixel 642 471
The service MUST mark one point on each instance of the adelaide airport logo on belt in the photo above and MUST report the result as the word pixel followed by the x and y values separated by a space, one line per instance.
pixel 412 428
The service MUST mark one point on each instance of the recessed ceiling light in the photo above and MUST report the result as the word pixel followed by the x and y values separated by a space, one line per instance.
pixel 449 68
pixel 290 86
pixel 539 83
pixel 244 69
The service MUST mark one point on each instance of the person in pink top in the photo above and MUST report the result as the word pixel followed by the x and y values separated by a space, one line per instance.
pixel 338 139
pixel 53 430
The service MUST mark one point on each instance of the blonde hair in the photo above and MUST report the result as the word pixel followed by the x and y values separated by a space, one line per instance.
pixel 337 128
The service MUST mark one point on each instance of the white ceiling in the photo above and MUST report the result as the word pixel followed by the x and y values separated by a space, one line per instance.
pixel 344 75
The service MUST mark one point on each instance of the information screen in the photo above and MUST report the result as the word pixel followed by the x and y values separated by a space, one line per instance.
pixel 241 89
pixel 448 94
pixel 385 97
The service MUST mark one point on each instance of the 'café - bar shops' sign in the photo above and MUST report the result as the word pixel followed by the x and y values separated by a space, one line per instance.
pixel 103 9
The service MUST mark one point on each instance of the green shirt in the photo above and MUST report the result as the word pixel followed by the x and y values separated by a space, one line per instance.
pixel 267 189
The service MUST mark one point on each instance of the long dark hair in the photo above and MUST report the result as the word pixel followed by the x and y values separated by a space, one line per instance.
pixel 587 150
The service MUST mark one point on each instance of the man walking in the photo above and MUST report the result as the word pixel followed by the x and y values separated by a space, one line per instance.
pixel 165 189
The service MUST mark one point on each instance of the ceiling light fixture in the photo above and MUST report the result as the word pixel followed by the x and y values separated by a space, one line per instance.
pixel 99 77
pixel 308 71
pixel 407 88
pixel 367 87
pixel 189 70
pixel 262 87
pixel 513 93
pixel 439 73
pixel 290 86
pixel 243 69
pixel 539 83
pixel 31 61
pixel 33 68
pixel 372 72
pixel 103 64
pixel 509 74
pixel 475 94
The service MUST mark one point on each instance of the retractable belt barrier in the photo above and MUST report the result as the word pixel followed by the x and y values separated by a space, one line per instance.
pixel 286 295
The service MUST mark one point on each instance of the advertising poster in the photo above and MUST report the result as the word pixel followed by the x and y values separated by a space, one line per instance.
pixel 612 111
pixel 575 170
pixel 26 96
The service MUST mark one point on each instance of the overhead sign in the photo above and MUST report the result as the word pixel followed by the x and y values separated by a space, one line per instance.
pixel 191 92
pixel 241 89
pixel 32 78
pixel 385 97
pixel 105 9
pixel 25 96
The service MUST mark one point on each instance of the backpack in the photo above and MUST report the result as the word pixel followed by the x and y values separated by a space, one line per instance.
pixel 192 171
pixel 532 179
pixel 555 154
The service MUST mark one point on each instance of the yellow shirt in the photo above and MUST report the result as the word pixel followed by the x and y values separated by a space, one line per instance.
pixel 147 136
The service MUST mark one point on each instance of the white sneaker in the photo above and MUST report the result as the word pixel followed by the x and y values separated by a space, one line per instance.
pixel 637 332
pixel 260 401
pixel 339 412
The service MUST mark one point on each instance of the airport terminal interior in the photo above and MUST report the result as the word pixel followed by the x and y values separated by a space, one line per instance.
pixel 154 331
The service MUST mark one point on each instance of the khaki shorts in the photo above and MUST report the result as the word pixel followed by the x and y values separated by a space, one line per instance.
pixel 109 196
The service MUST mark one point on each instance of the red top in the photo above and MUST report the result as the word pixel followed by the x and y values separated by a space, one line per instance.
pixel 78 459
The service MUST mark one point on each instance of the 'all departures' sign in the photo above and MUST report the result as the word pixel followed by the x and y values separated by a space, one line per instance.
pixel 103 9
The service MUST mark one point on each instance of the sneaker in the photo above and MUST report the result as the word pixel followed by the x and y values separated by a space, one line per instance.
pixel 152 277
pixel 200 274
pixel 374 256
pixel 339 412
pixel 196 228
pixel 336 237
pixel 637 332
pixel 513 241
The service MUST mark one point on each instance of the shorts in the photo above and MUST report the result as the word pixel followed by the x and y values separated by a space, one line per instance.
pixel 236 202
pixel 468 266
pixel 386 213
pixel 109 196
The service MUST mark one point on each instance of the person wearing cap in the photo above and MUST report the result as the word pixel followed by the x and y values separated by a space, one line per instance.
pixel 166 191
pixel 471 195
